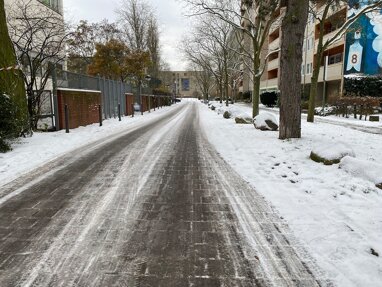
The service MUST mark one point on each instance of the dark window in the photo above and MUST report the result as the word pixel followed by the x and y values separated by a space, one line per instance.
pixel 334 59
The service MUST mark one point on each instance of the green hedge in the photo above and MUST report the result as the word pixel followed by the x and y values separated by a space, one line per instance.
pixel 269 99
pixel 363 86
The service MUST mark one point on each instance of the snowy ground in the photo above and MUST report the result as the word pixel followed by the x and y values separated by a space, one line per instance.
pixel 336 215
pixel 334 119
pixel 29 153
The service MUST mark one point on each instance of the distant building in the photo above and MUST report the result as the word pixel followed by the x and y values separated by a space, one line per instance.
pixel 182 83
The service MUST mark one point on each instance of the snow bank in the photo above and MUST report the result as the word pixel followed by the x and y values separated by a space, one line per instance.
pixel 334 214
pixel 364 169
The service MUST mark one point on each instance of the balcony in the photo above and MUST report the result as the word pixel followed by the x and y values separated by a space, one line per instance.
pixel 273 83
pixel 274 64
pixel 274 44
pixel 334 72
pixel 339 42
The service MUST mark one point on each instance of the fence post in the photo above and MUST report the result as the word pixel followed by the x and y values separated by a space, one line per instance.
pixel 66 118
pixel 100 115
pixel 141 105
pixel 132 110
pixel 119 111
pixel 55 100
pixel 149 104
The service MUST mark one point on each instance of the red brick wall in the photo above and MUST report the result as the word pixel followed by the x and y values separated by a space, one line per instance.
pixel 146 102
pixel 82 105
pixel 129 104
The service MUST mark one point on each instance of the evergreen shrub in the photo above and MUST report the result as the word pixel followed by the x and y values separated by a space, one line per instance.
pixel 370 86
pixel 8 123
pixel 247 95
pixel 269 99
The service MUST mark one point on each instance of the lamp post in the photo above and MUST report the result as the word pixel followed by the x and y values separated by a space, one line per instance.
pixel 147 78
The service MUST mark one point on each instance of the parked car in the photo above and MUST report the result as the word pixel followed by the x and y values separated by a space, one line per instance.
pixel 177 100
pixel 137 107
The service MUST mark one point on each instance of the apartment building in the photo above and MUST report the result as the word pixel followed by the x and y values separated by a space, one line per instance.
pixel 334 53
pixel 56 5
pixel 41 37
pixel 338 57
pixel 182 83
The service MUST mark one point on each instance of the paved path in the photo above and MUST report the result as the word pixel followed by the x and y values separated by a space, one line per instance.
pixel 155 207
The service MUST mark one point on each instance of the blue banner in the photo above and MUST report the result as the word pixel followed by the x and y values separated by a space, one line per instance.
pixel 363 47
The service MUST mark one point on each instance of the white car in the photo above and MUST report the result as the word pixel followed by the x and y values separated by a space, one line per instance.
pixel 137 107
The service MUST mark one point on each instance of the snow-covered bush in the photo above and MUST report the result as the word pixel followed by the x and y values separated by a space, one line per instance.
pixel 324 112
pixel 332 153
pixel 266 122
pixel 364 169
pixel 8 125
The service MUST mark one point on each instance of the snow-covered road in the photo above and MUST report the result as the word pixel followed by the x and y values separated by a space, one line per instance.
pixel 155 206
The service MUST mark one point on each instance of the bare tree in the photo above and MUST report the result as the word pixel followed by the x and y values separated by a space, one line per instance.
pixel 134 18
pixel 204 52
pixel 257 18
pixel 153 45
pixel 292 37
pixel 204 77
pixel 321 14
pixel 38 34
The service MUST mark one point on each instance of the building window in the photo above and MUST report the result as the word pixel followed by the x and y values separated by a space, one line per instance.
pixel 185 85
pixel 334 59
pixel 302 69
pixel 53 4
pixel 310 43
pixel 309 68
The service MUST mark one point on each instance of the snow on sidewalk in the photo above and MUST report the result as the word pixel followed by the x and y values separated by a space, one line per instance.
pixel 32 152
pixel 335 214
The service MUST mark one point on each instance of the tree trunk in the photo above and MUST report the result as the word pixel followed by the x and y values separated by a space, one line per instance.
pixel 314 81
pixel 292 37
pixel 255 96
pixel 11 81
pixel 312 97
pixel 226 78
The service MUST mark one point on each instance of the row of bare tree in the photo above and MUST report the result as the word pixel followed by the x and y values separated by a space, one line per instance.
pixel 233 33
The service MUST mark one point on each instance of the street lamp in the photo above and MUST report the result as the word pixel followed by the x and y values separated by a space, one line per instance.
pixel 148 79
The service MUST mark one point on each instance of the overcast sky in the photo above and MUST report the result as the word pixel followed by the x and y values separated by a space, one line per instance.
pixel 172 24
